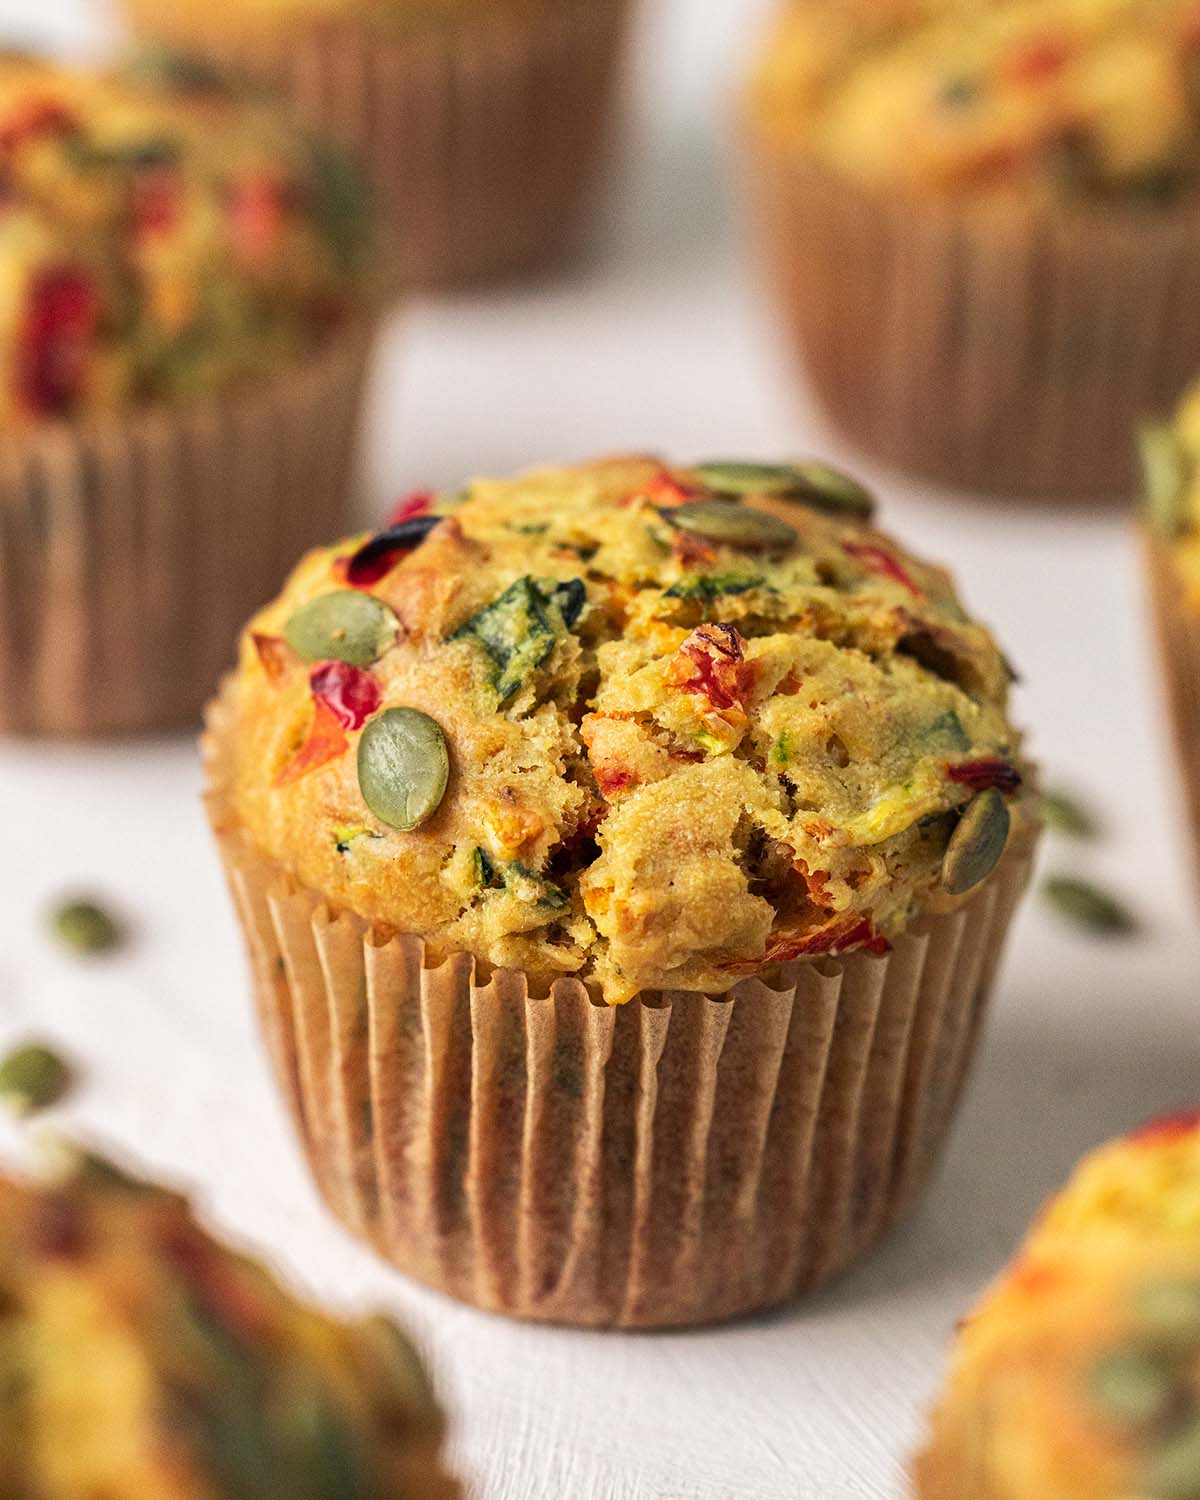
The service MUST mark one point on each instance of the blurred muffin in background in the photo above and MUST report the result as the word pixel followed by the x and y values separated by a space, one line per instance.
pixel 981 226
pixel 482 123
pixel 608 784
pixel 1078 1376
pixel 1170 454
pixel 184 319
pixel 141 1358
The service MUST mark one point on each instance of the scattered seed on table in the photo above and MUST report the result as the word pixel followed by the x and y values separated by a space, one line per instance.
pixel 1087 906
pixel 83 926
pixel 1065 814
pixel 32 1077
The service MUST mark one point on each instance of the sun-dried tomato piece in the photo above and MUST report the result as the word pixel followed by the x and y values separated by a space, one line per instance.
pixel 326 742
pixel 837 936
pixel 352 693
pixel 274 653
pixel 692 551
pixel 876 560
pixel 662 490
pixel 711 662
pixel 35 119
pixel 1166 1128
pixel 61 316
pixel 612 780
pixel 416 503
pixel 985 773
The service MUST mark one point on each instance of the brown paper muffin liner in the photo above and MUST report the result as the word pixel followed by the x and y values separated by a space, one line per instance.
pixel 482 141
pixel 1003 351
pixel 1178 629
pixel 679 1159
pixel 133 548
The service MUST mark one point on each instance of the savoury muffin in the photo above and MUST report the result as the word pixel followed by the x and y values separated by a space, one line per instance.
pixel 482 123
pixel 1014 187
pixel 141 1358
pixel 1078 1376
pixel 1171 530
pixel 562 796
pixel 182 301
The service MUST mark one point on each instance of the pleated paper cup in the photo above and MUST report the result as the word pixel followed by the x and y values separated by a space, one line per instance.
pixel 680 1159
pixel 1009 351
pixel 482 139
pixel 133 548
pixel 1177 624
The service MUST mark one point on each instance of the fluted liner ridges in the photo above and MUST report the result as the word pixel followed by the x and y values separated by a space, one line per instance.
pixel 1010 352
pixel 680 1159
pixel 133 547
pixel 482 143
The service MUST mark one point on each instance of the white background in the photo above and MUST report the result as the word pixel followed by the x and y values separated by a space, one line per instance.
pixel 657 340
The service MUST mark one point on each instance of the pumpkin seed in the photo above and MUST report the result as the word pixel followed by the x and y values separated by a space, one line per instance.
pixel 403 767
pixel 1173 1471
pixel 346 625
pixel 730 524
pixel 85 927
pixel 1087 905
pixel 1165 477
pixel 1133 1386
pixel 977 843
pixel 1065 814
pixel 33 1077
pixel 1170 1309
pixel 807 480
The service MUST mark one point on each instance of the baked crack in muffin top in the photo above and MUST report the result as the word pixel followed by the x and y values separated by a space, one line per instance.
pixel 652 726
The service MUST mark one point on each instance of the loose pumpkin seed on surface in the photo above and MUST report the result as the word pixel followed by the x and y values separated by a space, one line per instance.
pixel 83 926
pixel 1087 906
pixel 731 524
pixel 403 767
pixel 977 843
pixel 346 625
pixel 32 1077
pixel 1062 813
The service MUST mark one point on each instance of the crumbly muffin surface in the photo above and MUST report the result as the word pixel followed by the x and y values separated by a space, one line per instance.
pixel 141 1360
pixel 672 754
pixel 160 236
pixel 1062 99
pixel 1078 1377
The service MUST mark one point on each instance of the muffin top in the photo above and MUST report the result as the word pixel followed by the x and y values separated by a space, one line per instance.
pixel 1171 488
pixel 1061 99
pixel 142 1359
pixel 1078 1377
pixel 417 14
pixel 160 236
pixel 650 726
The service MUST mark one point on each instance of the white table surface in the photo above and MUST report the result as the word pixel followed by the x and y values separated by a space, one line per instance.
pixel 656 341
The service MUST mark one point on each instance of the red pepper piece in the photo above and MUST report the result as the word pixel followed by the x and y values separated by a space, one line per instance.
pixel 839 935
pixel 984 774
pixel 376 558
pixel 417 503
pixel 61 316
pixel 1039 60
pixel 34 119
pixel 692 551
pixel 876 560
pixel 351 693
pixel 256 214
pixel 157 203
pixel 275 654
pixel 611 782
pixel 662 490
pixel 712 662
pixel 1167 1128
pixel 326 742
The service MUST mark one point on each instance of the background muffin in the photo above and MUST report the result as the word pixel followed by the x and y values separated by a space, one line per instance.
pixel 482 125
pixel 1015 186
pixel 164 243
pixel 613 724
pixel 142 1358
pixel 1077 1376
pixel 1171 514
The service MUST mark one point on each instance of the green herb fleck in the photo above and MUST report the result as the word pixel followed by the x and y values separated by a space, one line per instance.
pixel 708 587
pixel 518 631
